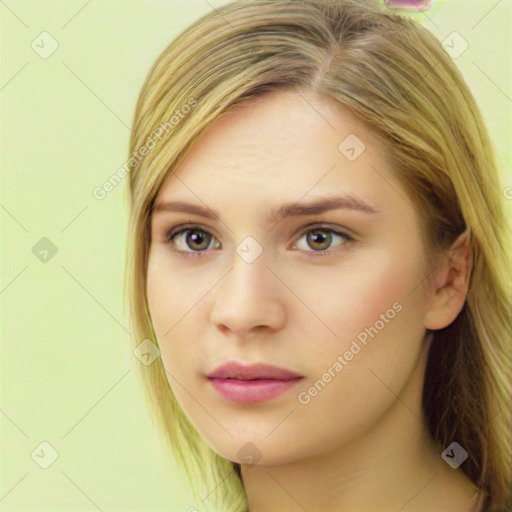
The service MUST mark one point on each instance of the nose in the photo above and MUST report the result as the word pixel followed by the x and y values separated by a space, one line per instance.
pixel 249 299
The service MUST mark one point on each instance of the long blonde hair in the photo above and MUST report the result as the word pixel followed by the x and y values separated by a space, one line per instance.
pixel 395 76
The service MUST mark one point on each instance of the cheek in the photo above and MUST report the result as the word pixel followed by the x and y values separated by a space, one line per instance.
pixel 381 284
pixel 168 303
pixel 168 306
pixel 351 297
pixel 172 291
pixel 379 329
pixel 176 296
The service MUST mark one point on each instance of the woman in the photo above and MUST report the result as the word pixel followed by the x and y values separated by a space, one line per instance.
pixel 371 371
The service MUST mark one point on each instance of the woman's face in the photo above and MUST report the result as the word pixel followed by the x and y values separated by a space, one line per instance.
pixel 347 314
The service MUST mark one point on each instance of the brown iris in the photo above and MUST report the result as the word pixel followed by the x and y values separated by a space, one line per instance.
pixel 318 236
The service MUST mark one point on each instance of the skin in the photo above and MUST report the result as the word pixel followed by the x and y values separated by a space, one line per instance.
pixel 360 444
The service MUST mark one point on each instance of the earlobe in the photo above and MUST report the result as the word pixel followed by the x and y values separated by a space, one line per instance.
pixel 451 284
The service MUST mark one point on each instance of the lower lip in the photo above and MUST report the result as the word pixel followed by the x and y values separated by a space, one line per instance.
pixel 252 390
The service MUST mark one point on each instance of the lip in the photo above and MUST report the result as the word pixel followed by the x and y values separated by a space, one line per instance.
pixel 252 383
pixel 258 371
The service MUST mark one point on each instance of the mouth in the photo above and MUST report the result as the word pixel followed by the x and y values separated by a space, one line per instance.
pixel 238 382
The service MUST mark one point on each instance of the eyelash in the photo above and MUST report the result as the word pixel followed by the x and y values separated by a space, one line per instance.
pixel 198 254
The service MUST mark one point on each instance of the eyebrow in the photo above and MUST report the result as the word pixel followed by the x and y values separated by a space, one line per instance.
pixel 286 210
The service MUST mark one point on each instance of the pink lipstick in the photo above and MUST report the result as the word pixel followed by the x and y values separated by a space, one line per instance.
pixel 252 383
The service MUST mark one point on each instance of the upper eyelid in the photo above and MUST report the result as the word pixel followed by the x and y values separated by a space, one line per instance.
pixel 310 226
pixel 342 231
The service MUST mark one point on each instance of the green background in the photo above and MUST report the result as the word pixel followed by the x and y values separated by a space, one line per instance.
pixel 66 367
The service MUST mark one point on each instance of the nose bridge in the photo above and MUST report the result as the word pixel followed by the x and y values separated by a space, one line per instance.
pixel 248 296
pixel 249 272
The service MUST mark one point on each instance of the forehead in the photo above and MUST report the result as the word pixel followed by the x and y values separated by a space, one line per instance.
pixel 283 146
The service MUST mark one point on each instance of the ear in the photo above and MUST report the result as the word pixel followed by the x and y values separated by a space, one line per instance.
pixel 450 285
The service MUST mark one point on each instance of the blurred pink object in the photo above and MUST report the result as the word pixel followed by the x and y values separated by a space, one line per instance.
pixel 408 5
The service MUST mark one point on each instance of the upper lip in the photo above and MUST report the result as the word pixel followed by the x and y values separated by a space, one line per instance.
pixel 259 371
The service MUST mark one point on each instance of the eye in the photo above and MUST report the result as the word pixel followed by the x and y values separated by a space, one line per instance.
pixel 320 239
pixel 193 240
